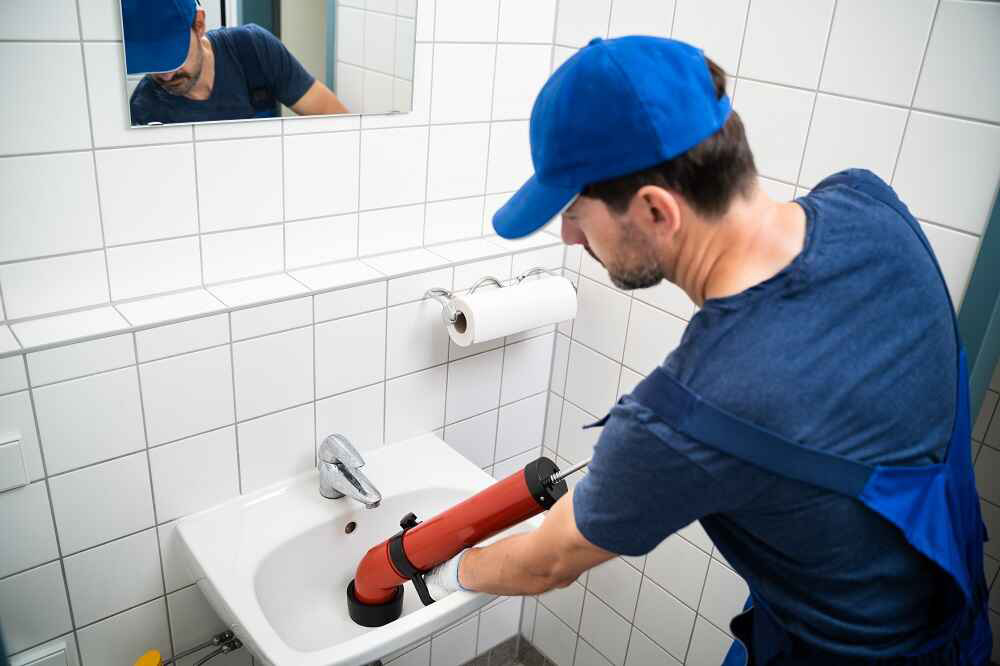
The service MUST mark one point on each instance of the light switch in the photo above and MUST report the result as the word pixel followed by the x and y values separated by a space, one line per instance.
pixel 51 654
pixel 13 473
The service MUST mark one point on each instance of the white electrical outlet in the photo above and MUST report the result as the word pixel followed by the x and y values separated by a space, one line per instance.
pixel 13 473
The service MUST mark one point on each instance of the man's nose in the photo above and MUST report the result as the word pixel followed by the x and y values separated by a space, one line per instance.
pixel 571 233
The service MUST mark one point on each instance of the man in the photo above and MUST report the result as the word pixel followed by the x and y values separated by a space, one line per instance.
pixel 224 74
pixel 815 415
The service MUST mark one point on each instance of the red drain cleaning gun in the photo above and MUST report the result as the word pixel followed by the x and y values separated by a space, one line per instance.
pixel 375 596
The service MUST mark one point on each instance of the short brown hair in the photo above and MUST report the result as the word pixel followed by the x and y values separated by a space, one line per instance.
pixel 708 176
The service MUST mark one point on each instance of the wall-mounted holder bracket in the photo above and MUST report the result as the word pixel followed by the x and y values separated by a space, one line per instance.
pixel 446 297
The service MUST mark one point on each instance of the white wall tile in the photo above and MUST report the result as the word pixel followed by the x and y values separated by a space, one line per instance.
pixel 425 20
pixel 102 502
pixel 956 254
pixel 575 443
pixel 418 656
pixel 708 645
pixel 416 337
pixel 963 53
pixel 187 394
pixel 325 239
pixel 330 276
pixel 109 104
pixel 414 404
pixel 378 91
pixel 601 319
pixel 956 186
pixel 48 204
pixel 510 156
pixel 637 17
pixel 714 26
pixel 457 160
pixel 12 375
pixel 176 573
pixel 414 287
pixel 664 619
pixel 652 335
pixel 463 82
pixel 239 183
pixel 846 133
pixel 350 301
pixel 46 79
pixel 147 193
pixel 192 620
pixel 642 651
pixel 553 420
pixel 461 21
pixel 527 21
pixel 350 353
pixel 667 296
pixel 474 438
pixel 120 638
pixel 777 28
pixel 473 385
pixel 776 119
pixel 25 521
pixel 17 421
pixel 34 607
pixel 393 166
pixel 232 255
pixel 404 59
pixel 679 567
pixel 276 446
pixel 350 35
pixel 100 19
pixel 391 229
pixel 187 336
pixel 24 19
pixel 892 33
pixel 169 307
pixel 457 645
pixel 498 623
pixel 616 584
pixel 53 365
pixel 578 22
pixel 113 577
pixel 586 655
pixel 257 289
pixel 604 629
pixel 358 415
pixel 380 43
pixel 559 366
pixel 91 419
pixel 526 368
pixel 521 426
pixel 153 268
pixel 194 474
pixel 273 372
pixel 238 130
pixel 50 285
pixel 453 220
pixel 280 316
pixel 420 94
pixel 321 174
pixel 521 72
pixel 592 380
pixel 553 638
pixel 724 595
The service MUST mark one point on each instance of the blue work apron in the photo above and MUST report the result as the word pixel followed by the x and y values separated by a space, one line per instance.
pixel 936 507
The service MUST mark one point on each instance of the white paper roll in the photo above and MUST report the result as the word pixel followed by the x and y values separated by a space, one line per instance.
pixel 491 313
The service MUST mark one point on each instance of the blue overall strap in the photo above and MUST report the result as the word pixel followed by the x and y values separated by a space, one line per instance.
pixel 685 411
pixel 258 86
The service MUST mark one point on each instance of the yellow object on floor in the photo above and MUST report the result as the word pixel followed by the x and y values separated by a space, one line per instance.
pixel 151 658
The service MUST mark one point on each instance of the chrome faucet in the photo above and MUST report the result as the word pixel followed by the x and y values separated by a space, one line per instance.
pixel 340 474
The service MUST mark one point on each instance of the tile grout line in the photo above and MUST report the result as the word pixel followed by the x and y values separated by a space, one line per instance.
pixel 815 100
pixel 236 421
pixel 430 112
pixel 913 95
pixel 152 494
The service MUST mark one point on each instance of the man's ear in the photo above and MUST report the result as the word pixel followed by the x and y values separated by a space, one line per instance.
pixel 659 207
pixel 199 22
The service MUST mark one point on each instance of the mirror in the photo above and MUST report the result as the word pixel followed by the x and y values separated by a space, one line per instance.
pixel 193 61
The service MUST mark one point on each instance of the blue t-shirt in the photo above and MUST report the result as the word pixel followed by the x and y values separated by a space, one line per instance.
pixel 850 350
pixel 282 76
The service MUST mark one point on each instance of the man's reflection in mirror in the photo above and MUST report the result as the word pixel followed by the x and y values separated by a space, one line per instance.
pixel 195 75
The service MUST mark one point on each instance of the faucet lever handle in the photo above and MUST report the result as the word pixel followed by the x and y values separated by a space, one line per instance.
pixel 337 448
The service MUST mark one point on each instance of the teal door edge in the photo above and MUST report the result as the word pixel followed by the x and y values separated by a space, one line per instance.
pixel 979 316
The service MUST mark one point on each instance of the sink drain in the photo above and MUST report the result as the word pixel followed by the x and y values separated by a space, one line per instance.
pixel 349 527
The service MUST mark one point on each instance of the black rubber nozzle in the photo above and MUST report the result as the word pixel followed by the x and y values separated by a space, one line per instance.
pixel 374 615
pixel 536 475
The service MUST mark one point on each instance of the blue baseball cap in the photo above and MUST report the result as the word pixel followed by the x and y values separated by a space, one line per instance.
pixel 617 106
pixel 157 34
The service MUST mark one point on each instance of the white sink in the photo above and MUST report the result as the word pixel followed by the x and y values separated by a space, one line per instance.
pixel 275 564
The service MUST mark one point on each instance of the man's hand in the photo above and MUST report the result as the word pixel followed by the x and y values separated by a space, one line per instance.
pixel 552 556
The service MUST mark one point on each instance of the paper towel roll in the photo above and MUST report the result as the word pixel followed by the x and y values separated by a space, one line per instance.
pixel 492 313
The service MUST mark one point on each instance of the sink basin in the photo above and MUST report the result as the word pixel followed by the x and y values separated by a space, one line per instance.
pixel 275 564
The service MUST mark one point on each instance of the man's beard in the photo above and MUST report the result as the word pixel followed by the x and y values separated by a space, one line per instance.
pixel 182 82
pixel 636 266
